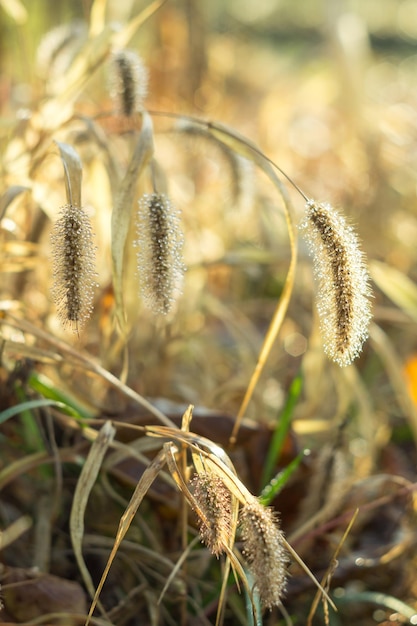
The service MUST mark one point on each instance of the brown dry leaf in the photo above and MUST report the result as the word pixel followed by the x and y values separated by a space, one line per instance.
pixel 29 595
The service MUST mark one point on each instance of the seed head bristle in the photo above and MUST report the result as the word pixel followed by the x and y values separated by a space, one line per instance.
pixel 343 292
pixel 263 548
pixel 73 256
pixel 160 243
pixel 215 501
pixel 129 82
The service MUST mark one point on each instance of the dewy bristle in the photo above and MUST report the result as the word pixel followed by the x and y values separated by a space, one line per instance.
pixel 343 282
pixel 73 256
pixel 160 243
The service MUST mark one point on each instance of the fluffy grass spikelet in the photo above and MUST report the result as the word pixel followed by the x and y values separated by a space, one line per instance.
pixel 214 500
pixel 263 548
pixel 129 82
pixel 73 255
pixel 343 283
pixel 160 242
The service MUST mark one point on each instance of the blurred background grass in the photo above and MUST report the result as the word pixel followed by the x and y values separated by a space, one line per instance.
pixel 327 90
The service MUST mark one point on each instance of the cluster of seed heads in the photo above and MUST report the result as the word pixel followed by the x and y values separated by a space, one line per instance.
pixel 263 540
pixel 129 82
pixel 343 282
pixel 159 242
pixel 73 255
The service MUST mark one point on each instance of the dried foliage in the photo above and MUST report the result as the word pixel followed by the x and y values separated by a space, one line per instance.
pixel 115 491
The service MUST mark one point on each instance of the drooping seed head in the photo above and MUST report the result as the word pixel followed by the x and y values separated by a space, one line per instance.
pixel 73 256
pixel 343 293
pixel 129 82
pixel 263 548
pixel 214 500
pixel 160 242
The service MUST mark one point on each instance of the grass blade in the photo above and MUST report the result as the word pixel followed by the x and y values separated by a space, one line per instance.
pixel 35 404
pixel 73 173
pixel 122 212
pixel 82 492
pixel 141 490
pixel 281 429
pixel 273 488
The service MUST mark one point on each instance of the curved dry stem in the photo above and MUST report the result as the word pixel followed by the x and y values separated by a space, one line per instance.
pixel 249 150
pixel 78 358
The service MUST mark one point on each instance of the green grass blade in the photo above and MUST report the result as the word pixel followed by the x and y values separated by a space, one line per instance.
pixel 45 387
pixel 273 488
pixel 281 429
pixel 32 404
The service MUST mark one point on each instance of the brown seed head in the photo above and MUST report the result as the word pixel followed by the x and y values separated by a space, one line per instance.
pixel 214 500
pixel 129 82
pixel 264 550
pixel 160 242
pixel 73 256
pixel 343 282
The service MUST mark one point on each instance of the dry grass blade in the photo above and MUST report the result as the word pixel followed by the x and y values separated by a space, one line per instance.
pixel 309 573
pixel 122 38
pixel 397 286
pixel 250 151
pixel 73 173
pixel 15 530
pixel 122 212
pixel 79 359
pixel 394 370
pixel 97 17
pixel 15 9
pixel 215 458
pixel 243 146
pixel 327 576
pixel 9 195
pixel 91 57
pixel 82 492
pixel 177 567
pixel 140 492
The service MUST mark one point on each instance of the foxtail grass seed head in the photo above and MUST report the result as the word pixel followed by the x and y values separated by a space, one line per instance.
pixel 73 256
pixel 214 500
pixel 129 82
pixel 263 548
pixel 343 282
pixel 160 242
